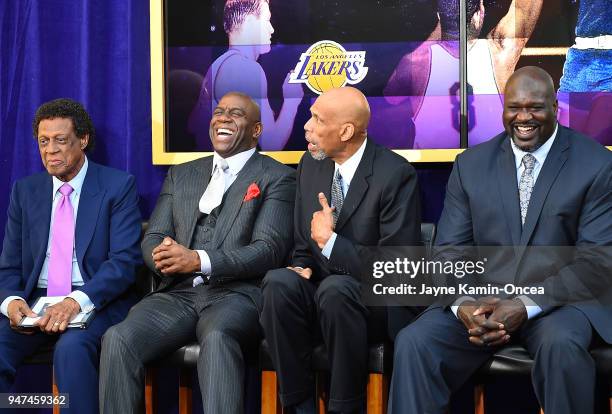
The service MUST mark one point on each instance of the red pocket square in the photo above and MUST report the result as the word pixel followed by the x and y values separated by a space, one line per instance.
pixel 252 192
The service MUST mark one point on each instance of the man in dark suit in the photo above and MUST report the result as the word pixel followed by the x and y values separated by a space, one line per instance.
pixel 536 184
pixel 72 231
pixel 374 202
pixel 220 222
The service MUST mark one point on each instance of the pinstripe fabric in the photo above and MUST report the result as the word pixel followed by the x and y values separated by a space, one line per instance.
pixel 224 323
pixel 250 237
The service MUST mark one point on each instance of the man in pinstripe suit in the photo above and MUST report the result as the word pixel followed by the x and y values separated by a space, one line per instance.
pixel 219 224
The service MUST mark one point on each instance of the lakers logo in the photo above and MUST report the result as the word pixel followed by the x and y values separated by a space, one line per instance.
pixel 326 65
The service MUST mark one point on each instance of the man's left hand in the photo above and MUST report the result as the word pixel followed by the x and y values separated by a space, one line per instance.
pixel 322 224
pixel 58 316
pixel 511 313
pixel 170 257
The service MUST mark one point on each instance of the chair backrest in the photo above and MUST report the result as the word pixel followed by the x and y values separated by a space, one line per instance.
pixel 428 233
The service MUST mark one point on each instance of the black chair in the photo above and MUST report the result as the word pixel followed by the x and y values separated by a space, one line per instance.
pixel 380 363
pixel 514 361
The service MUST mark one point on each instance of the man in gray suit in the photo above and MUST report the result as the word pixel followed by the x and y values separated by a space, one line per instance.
pixel 219 224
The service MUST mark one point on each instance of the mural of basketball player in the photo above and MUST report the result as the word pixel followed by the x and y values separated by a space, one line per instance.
pixel 426 80
pixel 585 90
pixel 248 27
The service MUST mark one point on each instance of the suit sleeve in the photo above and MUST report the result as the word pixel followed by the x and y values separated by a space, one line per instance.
pixel 271 236
pixel 302 256
pixel 588 275
pixel 10 259
pixel 399 222
pixel 455 225
pixel 160 224
pixel 454 229
pixel 117 273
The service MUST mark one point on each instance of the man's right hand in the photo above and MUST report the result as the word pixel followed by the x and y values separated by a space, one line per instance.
pixel 306 273
pixel 17 309
pixel 481 330
pixel 171 258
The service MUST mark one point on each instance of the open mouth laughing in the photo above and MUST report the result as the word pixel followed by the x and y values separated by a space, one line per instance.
pixel 224 132
pixel 523 131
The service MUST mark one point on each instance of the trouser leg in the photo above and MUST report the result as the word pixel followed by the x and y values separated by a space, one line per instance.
pixel 156 326
pixel 288 321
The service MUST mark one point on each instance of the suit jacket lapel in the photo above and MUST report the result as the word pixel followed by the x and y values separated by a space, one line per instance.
pixel 508 188
pixel 41 222
pixel 234 196
pixel 87 215
pixel 358 187
pixel 199 177
pixel 323 183
pixel 550 170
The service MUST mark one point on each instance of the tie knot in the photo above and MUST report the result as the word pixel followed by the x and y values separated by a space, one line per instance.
pixel 338 176
pixel 66 190
pixel 222 164
pixel 529 161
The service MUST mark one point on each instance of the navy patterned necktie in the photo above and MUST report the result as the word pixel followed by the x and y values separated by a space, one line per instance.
pixel 526 184
pixel 337 196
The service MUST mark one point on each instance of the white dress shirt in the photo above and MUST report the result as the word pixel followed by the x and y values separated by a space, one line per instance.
pixel 347 171
pixel 77 279
pixel 235 164
pixel 540 155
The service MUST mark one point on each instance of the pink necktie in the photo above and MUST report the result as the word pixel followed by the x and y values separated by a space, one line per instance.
pixel 59 279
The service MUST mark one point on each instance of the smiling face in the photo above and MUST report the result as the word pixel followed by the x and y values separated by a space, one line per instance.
pixel 235 126
pixel 60 149
pixel 530 110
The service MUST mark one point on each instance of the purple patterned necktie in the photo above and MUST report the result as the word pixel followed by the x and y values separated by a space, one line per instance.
pixel 59 279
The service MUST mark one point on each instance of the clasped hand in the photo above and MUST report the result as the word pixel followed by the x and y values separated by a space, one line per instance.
pixel 490 320
pixel 170 257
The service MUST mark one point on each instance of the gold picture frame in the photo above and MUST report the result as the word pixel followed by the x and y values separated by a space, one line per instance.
pixel 158 119
pixel 162 157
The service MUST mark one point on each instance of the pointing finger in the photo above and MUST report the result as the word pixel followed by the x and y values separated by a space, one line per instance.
pixel 323 202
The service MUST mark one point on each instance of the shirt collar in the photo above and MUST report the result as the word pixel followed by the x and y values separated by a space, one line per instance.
pixel 349 167
pixel 235 162
pixel 76 183
pixel 539 154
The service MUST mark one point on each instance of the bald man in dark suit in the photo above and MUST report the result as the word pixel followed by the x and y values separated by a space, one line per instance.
pixel 536 184
pixel 352 197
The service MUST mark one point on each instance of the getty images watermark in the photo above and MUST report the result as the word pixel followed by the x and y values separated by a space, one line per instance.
pixel 459 269
pixel 414 276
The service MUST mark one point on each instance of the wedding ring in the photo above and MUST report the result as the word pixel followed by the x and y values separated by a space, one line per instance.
pixel 56 323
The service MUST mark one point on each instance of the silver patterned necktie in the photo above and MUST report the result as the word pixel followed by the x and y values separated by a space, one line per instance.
pixel 337 196
pixel 213 195
pixel 526 184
